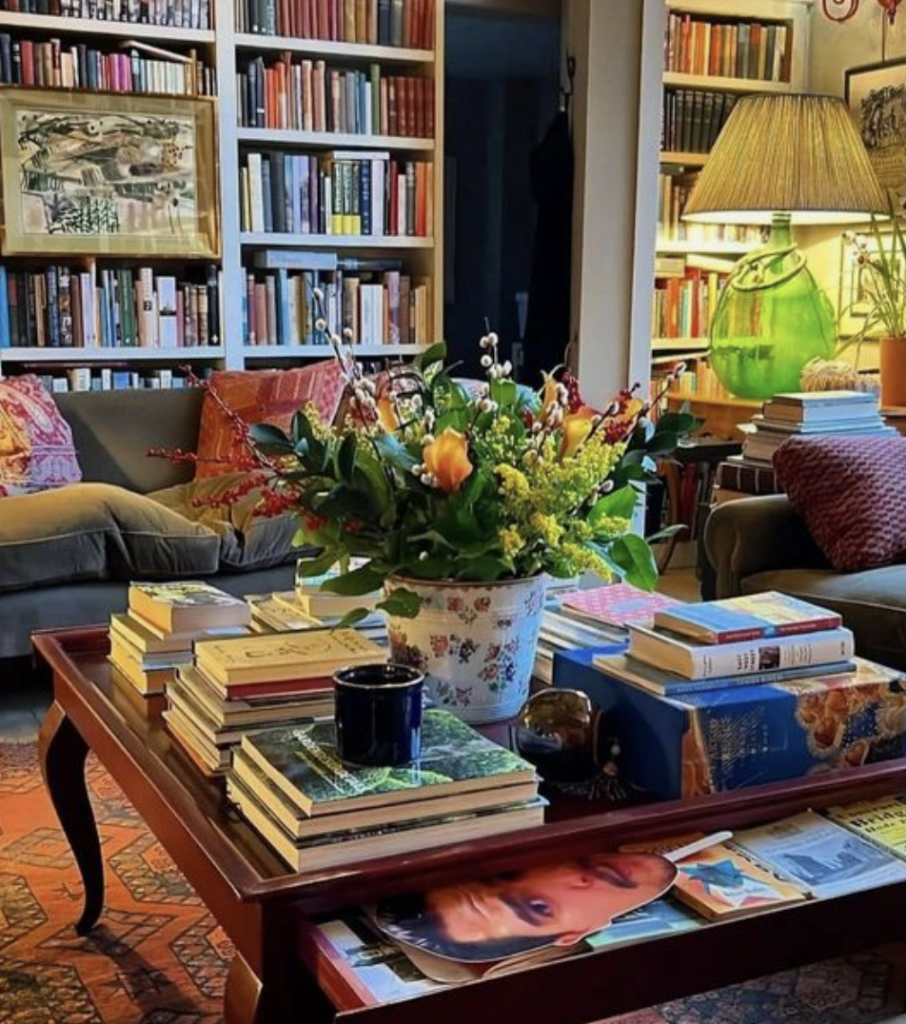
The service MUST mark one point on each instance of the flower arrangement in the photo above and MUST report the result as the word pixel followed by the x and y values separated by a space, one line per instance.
pixel 431 479
pixel 881 264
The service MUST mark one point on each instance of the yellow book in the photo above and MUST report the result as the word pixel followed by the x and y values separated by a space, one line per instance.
pixel 282 657
pixel 187 605
pixel 882 822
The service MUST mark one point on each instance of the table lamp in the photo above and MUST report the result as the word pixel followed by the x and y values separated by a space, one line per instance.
pixel 781 159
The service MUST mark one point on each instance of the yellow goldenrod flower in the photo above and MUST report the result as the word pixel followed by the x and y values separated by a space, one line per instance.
pixel 447 460
pixel 511 541
pixel 513 482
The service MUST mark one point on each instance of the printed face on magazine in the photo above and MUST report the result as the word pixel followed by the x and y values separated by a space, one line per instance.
pixel 558 905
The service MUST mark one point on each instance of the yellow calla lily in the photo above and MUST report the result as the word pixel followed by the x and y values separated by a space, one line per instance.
pixel 447 460
pixel 575 430
pixel 387 414
pixel 548 393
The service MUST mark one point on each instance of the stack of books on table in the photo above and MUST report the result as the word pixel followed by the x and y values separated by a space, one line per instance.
pixel 155 637
pixel 254 683
pixel 293 610
pixel 592 618
pixel 810 413
pixel 318 812
pixel 757 639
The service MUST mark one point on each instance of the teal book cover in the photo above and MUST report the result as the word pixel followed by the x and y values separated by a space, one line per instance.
pixel 662 917
pixel 454 757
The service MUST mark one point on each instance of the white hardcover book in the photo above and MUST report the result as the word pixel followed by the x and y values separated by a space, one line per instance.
pixel 89 310
pixel 256 193
pixel 402 227
pixel 106 375
pixel 327 205
pixel 368 106
pixel 166 312
pixel 147 319
pixel 80 378
pixel 673 653
pixel 378 188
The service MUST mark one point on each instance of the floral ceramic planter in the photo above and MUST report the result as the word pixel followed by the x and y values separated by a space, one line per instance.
pixel 475 642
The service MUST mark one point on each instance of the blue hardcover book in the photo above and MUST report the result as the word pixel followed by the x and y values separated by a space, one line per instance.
pixel 4 311
pixel 750 617
pixel 283 318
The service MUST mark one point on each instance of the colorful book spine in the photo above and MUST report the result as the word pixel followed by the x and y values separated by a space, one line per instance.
pixel 408 23
pixel 192 14
pixel 357 194
pixel 707 47
pixel 674 189
pixel 119 308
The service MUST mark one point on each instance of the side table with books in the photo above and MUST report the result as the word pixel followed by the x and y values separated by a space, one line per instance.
pixel 290 962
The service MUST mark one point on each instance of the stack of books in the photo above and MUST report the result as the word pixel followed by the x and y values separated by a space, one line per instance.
pixel 592 618
pixel 318 812
pixel 256 682
pixel 155 637
pixel 758 639
pixel 289 612
pixel 808 414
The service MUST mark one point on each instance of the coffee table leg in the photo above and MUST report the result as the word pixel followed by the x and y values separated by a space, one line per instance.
pixel 63 753
pixel 242 998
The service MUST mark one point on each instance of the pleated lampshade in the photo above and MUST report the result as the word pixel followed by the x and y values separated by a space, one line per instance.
pixel 783 153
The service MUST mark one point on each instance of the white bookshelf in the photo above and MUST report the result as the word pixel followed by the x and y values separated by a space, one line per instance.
pixel 794 14
pixel 225 49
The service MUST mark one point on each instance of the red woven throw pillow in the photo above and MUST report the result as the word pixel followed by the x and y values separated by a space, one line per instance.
pixel 36 449
pixel 260 396
pixel 851 492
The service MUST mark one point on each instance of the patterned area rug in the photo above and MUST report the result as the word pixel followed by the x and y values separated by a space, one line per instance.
pixel 158 958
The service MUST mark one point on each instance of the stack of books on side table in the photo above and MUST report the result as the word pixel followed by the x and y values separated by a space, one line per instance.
pixel 810 413
pixel 253 683
pixel 289 612
pixel 155 637
pixel 318 812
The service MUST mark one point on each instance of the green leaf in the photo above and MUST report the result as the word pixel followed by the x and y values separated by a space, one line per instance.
pixel 351 618
pixel 364 580
pixel 402 603
pixel 316 566
pixel 435 354
pixel 504 393
pixel 392 449
pixel 485 569
pixel 619 504
pixel 346 458
pixel 267 433
pixel 635 561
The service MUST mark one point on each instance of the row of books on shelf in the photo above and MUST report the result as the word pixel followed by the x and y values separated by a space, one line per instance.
pixel 729 49
pixel 408 23
pixel 338 193
pixel 674 190
pixel 310 96
pixel 126 307
pixel 107 378
pixel 699 382
pixel 382 308
pixel 195 14
pixel 135 68
pixel 683 306
pixel 841 413
pixel 693 118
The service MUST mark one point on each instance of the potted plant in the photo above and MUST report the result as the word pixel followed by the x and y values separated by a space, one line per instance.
pixel 881 269
pixel 457 501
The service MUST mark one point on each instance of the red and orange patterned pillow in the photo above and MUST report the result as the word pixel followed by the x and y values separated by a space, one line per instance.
pixel 851 492
pixel 260 396
pixel 36 449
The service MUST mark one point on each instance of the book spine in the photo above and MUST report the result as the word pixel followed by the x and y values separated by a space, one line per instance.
pixel 779 652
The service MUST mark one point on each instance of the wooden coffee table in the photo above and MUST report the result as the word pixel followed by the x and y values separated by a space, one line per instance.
pixel 282 971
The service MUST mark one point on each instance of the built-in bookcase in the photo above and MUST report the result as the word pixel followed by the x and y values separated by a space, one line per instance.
pixel 714 52
pixel 353 111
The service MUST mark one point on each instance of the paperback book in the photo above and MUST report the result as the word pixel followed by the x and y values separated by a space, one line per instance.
pixel 882 822
pixel 184 606
pixel 616 605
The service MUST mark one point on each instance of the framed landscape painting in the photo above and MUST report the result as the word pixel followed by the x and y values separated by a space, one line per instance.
pixel 108 174
pixel 876 97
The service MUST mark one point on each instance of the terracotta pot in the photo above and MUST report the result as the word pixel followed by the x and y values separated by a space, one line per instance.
pixel 475 642
pixel 893 373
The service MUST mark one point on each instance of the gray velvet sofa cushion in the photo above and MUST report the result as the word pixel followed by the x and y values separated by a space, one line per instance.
pixel 96 532
pixel 249 540
pixel 872 603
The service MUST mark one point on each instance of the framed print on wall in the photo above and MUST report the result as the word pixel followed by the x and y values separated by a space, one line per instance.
pixel 108 174
pixel 876 96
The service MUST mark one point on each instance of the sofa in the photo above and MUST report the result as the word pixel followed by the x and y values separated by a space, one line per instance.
pixel 758 544
pixel 67 556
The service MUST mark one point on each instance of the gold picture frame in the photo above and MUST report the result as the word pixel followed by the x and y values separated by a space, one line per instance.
pixel 108 174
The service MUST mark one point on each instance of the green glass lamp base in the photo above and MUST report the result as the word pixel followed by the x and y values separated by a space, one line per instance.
pixel 772 319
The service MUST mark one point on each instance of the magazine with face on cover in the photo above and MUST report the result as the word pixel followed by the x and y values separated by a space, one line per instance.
pixel 551 907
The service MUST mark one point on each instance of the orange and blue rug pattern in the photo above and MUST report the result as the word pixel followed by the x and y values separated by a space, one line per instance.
pixel 157 957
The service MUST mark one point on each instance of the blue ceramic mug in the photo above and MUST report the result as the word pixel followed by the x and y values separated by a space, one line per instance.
pixel 378 714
